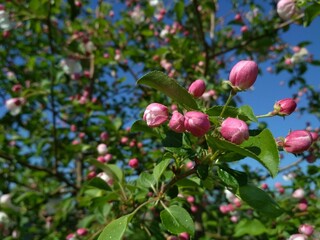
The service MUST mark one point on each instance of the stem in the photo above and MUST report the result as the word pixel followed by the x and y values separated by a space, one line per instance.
pixel 265 115
pixel 176 179
pixel 232 93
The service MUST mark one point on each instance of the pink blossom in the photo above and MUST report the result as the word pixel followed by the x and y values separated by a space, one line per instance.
pixel 155 114
pixel 134 163
pixel 297 141
pixel 284 107
pixel 197 123
pixel 286 9
pixel 306 229
pixel 234 130
pixel 298 193
pixel 243 74
pixel 197 88
pixel 176 122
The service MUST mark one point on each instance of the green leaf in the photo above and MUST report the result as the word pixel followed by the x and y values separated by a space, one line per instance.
pixel 202 171
pixel 141 126
pixel 232 178
pixel 177 220
pixel 115 229
pixel 179 9
pixel 261 147
pixel 146 180
pixel 160 168
pixel 98 183
pixel 310 13
pixel 259 200
pixel 264 146
pixel 169 87
pixel 246 111
pixel 172 139
pixel 249 227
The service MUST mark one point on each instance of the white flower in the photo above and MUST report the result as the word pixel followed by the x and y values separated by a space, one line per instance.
pixel 154 2
pixel 105 177
pixel 14 105
pixel 4 218
pixel 4 21
pixel 298 193
pixel 299 56
pixel 229 195
pixel 102 149
pixel 137 15
pixel 164 33
pixel 71 66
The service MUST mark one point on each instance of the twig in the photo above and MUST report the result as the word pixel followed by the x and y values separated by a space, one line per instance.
pixel 202 36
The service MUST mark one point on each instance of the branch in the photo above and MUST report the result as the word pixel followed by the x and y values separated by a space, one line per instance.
pixel 266 34
pixel 202 36
pixel 39 168
pixel 291 165
pixel 176 179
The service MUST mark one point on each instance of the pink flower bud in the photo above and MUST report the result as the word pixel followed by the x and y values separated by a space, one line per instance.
pixel 243 74
pixel 102 149
pixel 184 236
pixel 244 29
pixel 234 218
pixel 104 136
pixel 194 208
pixel 298 237
pixel 314 136
pixel 197 123
pixel 155 114
pixel 108 157
pixel 197 88
pixel 264 186
pixel 190 199
pixel 101 159
pixel 234 130
pixel 297 141
pixel 134 163
pixel 298 193
pixel 302 206
pixel 91 175
pixel 82 231
pixel 286 9
pixel 124 140
pixel 73 128
pixel 176 122
pixel 284 107
pixel 70 236
pixel 306 229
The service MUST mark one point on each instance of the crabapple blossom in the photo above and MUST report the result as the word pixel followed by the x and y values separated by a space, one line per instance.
pixel 197 88
pixel 286 9
pixel 298 237
pixel 297 141
pixel 14 105
pixel 176 122
pixel 298 193
pixel 306 229
pixel 243 74
pixel 197 123
pixel 134 163
pixel 102 149
pixel 155 114
pixel 284 107
pixel 82 231
pixel 234 130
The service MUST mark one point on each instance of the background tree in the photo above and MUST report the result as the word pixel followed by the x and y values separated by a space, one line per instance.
pixel 73 158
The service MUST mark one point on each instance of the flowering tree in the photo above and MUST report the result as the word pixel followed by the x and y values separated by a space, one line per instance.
pixel 124 120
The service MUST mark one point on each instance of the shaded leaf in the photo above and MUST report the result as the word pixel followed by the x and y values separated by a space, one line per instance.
pixel 249 227
pixel 168 86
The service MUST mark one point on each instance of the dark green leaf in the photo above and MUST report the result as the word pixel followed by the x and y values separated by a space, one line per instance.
pixel 141 126
pixel 202 171
pixel 98 183
pixel 310 13
pixel 169 87
pixel 261 147
pixel 244 113
pixel 259 200
pixel 172 139
pixel 177 220
pixel 179 9
pixel 232 178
